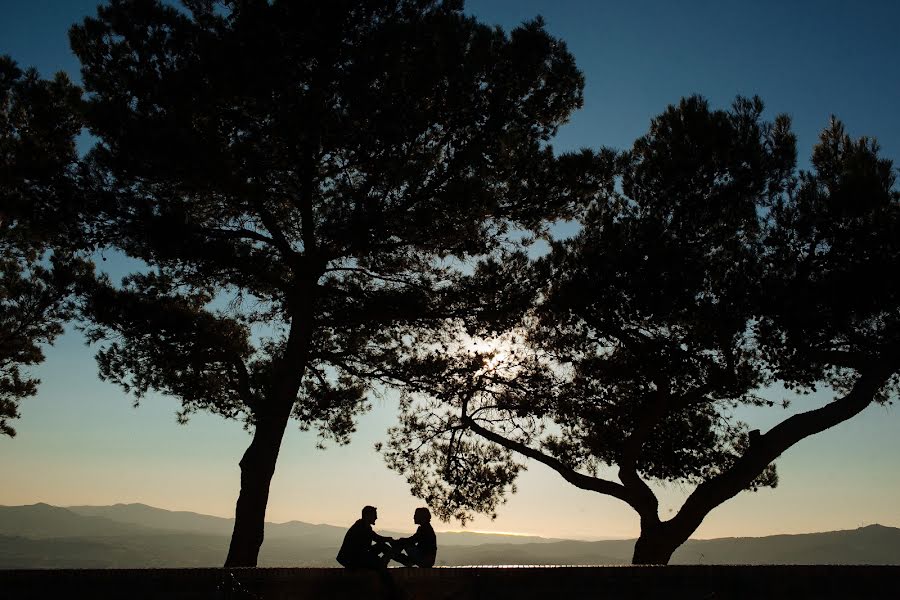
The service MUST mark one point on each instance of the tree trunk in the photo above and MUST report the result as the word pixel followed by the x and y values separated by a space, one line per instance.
pixel 656 545
pixel 257 468
pixel 258 462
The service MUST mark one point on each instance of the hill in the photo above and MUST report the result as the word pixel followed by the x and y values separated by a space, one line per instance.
pixel 39 521
pixel 136 535
pixel 157 518
pixel 870 545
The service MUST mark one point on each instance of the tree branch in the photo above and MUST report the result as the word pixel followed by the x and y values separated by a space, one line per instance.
pixel 278 239
pixel 243 381
pixel 579 480
pixel 238 234
pixel 766 448
pixel 843 358
pixel 371 274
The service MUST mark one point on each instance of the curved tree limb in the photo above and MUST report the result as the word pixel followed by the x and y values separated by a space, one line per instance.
pixel 766 448
pixel 579 480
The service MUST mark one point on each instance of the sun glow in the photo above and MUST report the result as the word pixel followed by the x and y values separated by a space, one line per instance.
pixel 496 352
pixel 485 531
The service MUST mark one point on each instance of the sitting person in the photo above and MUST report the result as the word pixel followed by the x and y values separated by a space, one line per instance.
pixel 420 549
pixel 362 547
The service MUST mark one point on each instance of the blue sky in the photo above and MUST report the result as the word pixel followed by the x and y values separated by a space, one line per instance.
pixel 81 442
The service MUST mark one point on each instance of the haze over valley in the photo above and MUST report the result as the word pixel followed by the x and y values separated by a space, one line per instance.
pixel 141 536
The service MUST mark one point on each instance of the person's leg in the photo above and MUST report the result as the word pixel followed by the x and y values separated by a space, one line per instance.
pixel 400 552
pixel 415 556
pixel 411 556
pixel 384 552
pixel 369 560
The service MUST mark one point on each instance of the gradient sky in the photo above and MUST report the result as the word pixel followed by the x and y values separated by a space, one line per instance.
pixel 81 442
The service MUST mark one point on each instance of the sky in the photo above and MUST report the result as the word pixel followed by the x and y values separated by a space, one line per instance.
pixel 80 441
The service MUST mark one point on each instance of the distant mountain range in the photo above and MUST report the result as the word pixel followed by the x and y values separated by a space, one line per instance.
pixel 136 535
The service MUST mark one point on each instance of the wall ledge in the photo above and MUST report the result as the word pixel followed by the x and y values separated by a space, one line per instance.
pixel 676 582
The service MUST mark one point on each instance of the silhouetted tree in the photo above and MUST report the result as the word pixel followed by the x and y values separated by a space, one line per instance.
pixel 38 232
pixel 712 272
pixel 302 179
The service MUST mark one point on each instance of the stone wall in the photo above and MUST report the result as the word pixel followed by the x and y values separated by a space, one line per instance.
pixel 696 582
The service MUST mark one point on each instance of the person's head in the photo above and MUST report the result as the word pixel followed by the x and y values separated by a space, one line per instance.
pixel 421 516
pixel 369 514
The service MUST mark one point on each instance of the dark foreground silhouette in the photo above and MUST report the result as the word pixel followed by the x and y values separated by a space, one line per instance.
pixel 694 582
pixel 362 548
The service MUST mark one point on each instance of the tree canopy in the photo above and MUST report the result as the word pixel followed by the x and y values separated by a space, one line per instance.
pixel 38 124
pixel 711 272
pixel 304 181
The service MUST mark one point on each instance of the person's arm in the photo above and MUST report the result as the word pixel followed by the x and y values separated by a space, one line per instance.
pixel 379 538
pixel 415 538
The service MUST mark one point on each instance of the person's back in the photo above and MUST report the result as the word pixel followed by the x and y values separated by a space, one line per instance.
pixel 357 542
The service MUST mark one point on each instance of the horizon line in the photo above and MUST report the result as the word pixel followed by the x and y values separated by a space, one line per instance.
pixel 464 530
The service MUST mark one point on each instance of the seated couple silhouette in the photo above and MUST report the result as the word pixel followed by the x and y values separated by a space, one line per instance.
pixel 363 548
